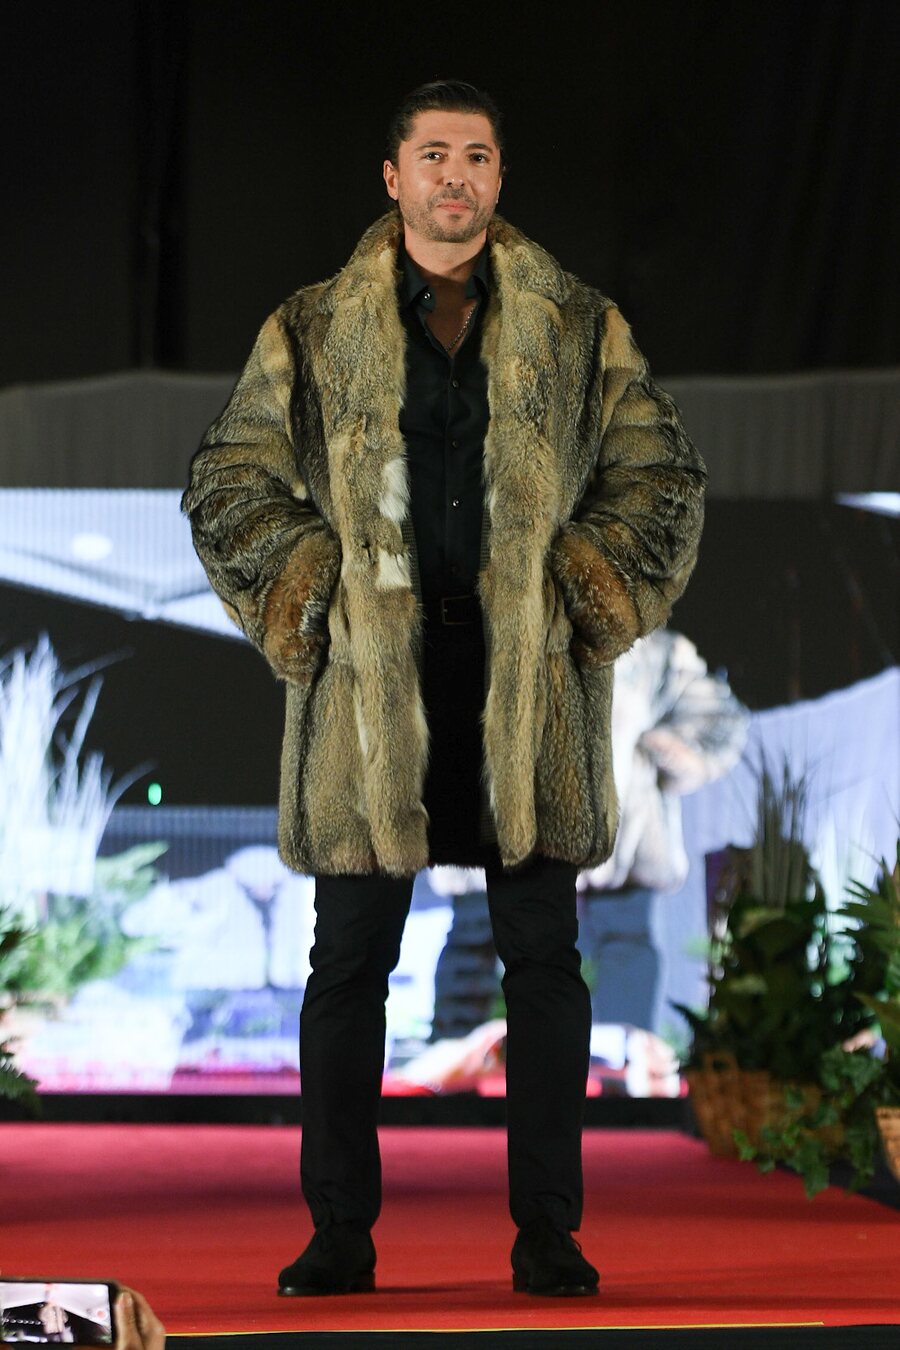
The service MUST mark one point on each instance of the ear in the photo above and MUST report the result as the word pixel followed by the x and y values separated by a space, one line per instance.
pixel 390 178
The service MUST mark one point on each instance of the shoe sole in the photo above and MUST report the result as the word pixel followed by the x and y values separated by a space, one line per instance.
pixel 363 1284
pixel 521 1285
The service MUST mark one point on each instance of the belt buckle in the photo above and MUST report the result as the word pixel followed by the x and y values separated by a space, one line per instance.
pixel 454 622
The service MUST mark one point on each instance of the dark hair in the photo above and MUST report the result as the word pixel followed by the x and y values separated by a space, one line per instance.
pixel 447 96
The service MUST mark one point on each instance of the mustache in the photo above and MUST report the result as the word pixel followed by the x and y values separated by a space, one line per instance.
pixel 453 197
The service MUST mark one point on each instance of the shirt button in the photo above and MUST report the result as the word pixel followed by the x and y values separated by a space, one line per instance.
pixel 455 444
pixel 455 502
pixel 427 295
pixel 455 383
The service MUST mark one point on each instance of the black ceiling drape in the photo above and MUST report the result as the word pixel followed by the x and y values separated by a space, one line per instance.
pixel 725 170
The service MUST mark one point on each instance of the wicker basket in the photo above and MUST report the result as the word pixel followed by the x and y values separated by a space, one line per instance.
pixel 888 1118
pixel 726 1098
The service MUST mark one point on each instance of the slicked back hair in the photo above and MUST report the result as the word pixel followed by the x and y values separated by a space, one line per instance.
pixel 446 96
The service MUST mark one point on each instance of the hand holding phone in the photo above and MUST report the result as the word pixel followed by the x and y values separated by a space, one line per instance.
pixel 138 1327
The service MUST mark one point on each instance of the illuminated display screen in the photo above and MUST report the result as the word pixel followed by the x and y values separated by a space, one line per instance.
pixel 168 945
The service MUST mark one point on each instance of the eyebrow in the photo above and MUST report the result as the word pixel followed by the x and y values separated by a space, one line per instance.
pixel 445 145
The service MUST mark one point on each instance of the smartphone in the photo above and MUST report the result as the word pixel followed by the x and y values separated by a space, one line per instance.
pixel 53 1312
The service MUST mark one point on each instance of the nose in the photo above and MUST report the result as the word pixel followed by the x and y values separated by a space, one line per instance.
pixel 456 170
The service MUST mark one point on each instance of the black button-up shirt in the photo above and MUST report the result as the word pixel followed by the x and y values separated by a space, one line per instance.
pixel 443 420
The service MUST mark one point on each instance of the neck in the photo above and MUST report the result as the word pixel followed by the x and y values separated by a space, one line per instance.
pixel 439 261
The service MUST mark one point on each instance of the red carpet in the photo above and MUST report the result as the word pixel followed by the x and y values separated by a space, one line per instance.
pixel 201 1218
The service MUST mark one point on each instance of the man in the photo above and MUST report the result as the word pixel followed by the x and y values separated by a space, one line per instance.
pixel 675 727
pixel 54 1318
pixel 444 496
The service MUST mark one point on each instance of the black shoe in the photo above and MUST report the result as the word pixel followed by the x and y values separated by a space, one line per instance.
pixel 338 1260
pixel 546 1259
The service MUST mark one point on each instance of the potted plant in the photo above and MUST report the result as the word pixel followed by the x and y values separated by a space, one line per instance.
pixel 858 1091
pixel 876 910
pixel 14 1083
pixel 776 1002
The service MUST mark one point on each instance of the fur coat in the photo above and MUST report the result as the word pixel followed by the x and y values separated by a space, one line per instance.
pixel 300 510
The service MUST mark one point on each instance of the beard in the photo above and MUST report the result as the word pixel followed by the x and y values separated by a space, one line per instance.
pixel 422 221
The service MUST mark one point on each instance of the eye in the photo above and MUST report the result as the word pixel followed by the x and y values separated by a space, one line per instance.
pixel 480 157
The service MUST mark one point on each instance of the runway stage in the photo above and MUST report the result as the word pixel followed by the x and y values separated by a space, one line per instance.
pixel 697 1251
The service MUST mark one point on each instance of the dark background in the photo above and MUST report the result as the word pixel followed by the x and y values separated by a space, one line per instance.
pixel 725 169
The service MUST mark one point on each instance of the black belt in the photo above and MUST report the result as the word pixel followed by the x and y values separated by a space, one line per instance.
pixel 452 609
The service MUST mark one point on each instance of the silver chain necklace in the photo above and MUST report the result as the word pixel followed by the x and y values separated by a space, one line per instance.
pixel 448 346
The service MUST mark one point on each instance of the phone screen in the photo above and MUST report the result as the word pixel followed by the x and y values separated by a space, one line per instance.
pixel 54 1312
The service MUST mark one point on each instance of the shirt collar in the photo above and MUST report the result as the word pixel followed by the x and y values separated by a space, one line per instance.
pixel 414 289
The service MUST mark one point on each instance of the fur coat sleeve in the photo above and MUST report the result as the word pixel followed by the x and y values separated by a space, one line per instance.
pixel 268 553
pixel 631 545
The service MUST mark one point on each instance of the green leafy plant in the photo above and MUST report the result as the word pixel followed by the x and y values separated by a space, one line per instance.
pixel 852 1082
pixel 840 1126
pixel 14 1084
pixel 792 998
pixel 775 1003
pixel 82 939
pixel 876 912
pixel 14 936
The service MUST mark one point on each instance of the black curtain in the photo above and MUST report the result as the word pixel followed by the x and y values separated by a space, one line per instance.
pixel 725 170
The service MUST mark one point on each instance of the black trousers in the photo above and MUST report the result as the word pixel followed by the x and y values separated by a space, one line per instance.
pixel 359 924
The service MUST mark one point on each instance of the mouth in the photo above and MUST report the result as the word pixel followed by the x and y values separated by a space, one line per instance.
pixel 455 205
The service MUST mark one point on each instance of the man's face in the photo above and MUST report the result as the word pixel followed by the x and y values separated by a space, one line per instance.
pixel 447 176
